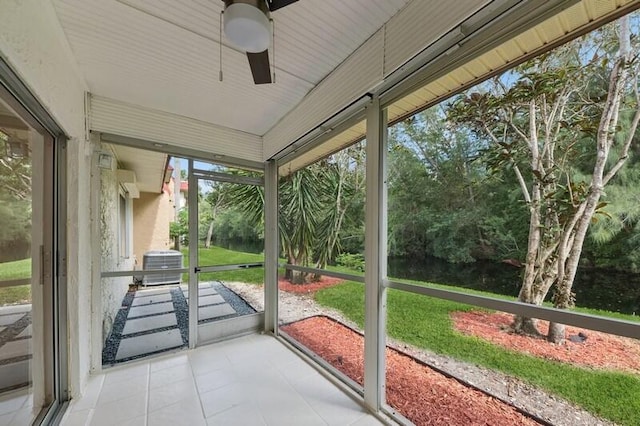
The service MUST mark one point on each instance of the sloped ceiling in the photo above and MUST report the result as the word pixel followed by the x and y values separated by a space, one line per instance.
pixel 165 54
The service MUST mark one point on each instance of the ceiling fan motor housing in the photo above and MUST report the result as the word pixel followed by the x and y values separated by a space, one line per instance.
pixel 246 24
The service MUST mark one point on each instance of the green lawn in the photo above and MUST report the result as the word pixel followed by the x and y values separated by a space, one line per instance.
pixel 220 256
pixel 424 322
pixel 13 271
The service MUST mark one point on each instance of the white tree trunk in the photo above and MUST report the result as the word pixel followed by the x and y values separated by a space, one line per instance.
pixel 607 129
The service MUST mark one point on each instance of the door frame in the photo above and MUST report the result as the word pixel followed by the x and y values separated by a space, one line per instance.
pixel 52 266
pixel 222 329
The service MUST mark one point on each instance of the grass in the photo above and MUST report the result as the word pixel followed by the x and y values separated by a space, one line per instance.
pixel 13 271
pixel 221 256
pixel 425 322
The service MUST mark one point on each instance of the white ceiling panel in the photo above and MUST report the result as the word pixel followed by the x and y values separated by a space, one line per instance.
pixel 122 119
pixel 148 166
pixel 164 54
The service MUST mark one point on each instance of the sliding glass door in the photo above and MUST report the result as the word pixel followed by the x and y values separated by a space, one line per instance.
pixel 27 271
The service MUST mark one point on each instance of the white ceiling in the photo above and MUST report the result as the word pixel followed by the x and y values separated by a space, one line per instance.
pixel 148 166
pixel 164 54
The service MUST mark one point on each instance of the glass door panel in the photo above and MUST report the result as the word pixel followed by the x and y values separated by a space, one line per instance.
pixel 26 285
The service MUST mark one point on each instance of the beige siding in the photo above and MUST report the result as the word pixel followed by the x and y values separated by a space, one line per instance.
pixel 152 214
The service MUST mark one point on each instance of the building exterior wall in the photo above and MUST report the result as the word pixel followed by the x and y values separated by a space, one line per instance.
pixel 33 44
pixel 152 214
pixel 114 256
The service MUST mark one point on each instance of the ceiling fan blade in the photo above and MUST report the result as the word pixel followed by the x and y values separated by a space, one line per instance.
pixel 279 4
pixel 259 63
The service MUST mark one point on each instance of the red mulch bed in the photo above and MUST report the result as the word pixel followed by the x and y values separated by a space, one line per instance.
pixel 599 350
pixel 421 394
pixel 310 287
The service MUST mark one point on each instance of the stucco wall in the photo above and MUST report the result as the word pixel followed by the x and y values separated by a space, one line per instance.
pixel 152 214
pixel 112 290
pixel 33 44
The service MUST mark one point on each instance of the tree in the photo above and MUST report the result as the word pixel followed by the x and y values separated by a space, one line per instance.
pixel 315 204
pixel 216 201
pixel 15 204
pixel 179 231
pixel 539 120
pixel 342 192
pixel 434 206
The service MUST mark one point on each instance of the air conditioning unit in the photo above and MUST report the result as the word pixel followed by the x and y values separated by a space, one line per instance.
pixel 162 259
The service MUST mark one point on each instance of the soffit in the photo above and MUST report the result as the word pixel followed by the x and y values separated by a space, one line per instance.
pixel 148 166
pixel 538 38
pixel 164 54
pixel 341 140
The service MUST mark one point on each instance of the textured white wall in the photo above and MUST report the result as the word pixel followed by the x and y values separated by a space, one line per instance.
pixel 112 290
pixel 32 42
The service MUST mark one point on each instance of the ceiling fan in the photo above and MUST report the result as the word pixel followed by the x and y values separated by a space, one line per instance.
pixel 247 26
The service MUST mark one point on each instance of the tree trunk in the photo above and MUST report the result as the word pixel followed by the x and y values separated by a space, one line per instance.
pixel 527 293
pixel 524 325
pixel 288 273
pixel 297 277
pixel 207 242
pixel 557 333
pixel 607 129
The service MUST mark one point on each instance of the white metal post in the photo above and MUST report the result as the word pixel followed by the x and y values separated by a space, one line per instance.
pixel 375 257
pixel 271 247
pixel 193 255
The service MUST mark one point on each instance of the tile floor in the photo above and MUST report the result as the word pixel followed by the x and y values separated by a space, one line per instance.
pixel 16 408
pixel 251 380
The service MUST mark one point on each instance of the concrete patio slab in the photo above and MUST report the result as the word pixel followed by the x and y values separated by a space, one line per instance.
pixel 213 299
pixel 27 332
pixel 149 323
pixel 9 319
pixel 215 311
pixel 202 292
pixel 149 343
pixel 157 308
pixel 14 374
pixel 149 299
pixel 153 291
pixel 210 300
pixel 15 348
pixel 15 309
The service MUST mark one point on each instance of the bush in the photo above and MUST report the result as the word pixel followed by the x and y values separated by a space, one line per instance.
pixel 354 261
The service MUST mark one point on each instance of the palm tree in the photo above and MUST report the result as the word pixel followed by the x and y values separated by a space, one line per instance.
pixel 313 203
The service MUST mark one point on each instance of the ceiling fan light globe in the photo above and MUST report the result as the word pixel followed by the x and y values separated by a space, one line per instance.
pixel 247 28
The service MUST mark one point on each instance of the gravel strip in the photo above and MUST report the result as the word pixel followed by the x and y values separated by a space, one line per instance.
pixel 237 303
pixel 555 410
